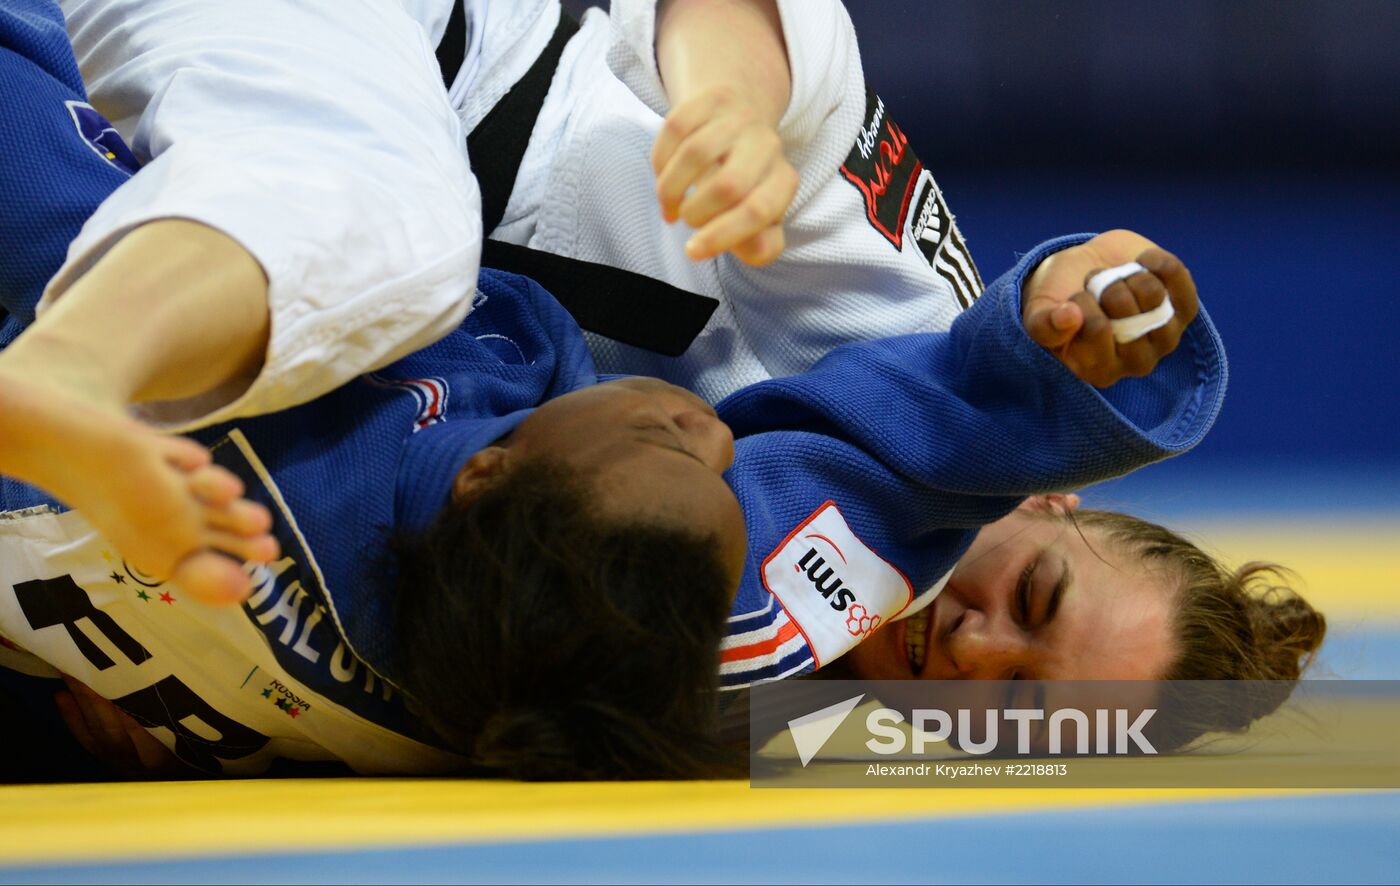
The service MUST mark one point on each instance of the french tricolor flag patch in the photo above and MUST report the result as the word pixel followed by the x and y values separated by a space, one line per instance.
pixel 431 394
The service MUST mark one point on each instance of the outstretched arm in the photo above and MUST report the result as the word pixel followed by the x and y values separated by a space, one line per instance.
pixel 902 448
pixel 719 161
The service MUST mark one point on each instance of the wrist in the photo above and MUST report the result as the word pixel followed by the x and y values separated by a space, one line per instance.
pixel 735 46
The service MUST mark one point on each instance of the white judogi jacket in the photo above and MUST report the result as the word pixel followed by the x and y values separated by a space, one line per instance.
pixel 316 134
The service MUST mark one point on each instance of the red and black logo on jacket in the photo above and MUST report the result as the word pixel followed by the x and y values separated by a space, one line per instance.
pixel 883 167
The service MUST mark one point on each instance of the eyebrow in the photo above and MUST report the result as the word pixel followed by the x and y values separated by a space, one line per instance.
pixel 1057 593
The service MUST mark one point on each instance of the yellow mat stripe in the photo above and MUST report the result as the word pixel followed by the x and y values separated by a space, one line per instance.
pixel 1350 569
pixel 68 824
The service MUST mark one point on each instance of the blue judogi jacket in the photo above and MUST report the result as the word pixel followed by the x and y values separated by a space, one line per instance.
pixel 862 481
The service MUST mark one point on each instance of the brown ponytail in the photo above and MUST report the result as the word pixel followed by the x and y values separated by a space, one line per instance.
pixel 1242 625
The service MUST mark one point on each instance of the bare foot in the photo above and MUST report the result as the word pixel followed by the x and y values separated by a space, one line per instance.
pixel 169 510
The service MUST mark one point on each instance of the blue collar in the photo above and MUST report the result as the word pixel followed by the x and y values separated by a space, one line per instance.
pixel 433 457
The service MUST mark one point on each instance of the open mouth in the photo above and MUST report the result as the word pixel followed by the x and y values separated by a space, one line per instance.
pixel 916 638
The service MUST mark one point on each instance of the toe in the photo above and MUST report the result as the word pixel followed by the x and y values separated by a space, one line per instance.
pixel 241 517
pixel 215 486
pixel 212 578
pixel 260 548
pixel 184 453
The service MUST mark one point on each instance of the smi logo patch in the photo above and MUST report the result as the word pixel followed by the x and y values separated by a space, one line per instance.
pixel 835 588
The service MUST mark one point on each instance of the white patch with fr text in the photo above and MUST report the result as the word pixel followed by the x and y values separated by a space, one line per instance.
pixel 835 588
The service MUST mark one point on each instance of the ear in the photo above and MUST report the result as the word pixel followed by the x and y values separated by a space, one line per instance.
pixel 480 471
pixel 1054 504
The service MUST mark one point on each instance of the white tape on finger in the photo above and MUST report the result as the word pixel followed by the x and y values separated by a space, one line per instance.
pixel 1126 329
pixel 1107 277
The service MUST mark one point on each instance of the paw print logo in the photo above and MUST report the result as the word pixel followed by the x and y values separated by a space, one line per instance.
pixel 860 622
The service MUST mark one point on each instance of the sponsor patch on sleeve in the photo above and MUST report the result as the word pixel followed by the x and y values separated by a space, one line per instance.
pixel 932 229
pixel 884 169
pixel 834 587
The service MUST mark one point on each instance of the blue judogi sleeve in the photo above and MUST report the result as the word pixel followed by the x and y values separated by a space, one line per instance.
pixel 864 479
pixel 59 159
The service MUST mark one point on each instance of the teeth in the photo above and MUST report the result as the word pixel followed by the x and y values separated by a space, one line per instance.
pixel 915 638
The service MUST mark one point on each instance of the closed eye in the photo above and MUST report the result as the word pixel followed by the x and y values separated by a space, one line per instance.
pixel 673 441
pixel 1057 593
pixel 1023 593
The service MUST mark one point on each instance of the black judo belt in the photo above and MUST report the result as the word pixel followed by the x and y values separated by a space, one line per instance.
pixel 631 308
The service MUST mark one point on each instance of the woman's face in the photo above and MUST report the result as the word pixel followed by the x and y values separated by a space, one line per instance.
pixel 652 450
pixel 1033 599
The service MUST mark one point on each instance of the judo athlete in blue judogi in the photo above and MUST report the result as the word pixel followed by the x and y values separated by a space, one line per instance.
pixel 488 556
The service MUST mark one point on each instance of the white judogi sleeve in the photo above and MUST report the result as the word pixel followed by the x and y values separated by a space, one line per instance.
pixel 855 267
pixel 318 135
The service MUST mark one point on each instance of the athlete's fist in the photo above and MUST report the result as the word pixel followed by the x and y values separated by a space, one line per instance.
pixel 720 168
pixel 111 736
pixel 1061 313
